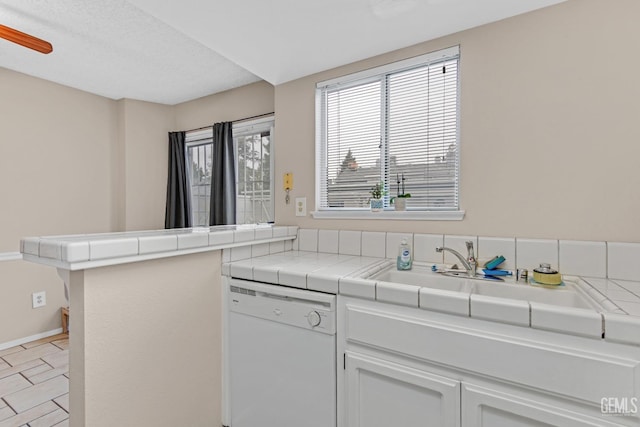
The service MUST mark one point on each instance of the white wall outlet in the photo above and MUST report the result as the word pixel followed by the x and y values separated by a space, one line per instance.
pixel 301 206
pixel 39 299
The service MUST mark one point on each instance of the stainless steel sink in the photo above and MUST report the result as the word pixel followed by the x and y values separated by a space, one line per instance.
pixel 569 295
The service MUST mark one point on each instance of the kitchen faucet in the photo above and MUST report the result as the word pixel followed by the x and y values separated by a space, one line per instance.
pixel 470 263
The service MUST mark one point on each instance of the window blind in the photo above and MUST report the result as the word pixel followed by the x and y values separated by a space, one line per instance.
pixel 382 126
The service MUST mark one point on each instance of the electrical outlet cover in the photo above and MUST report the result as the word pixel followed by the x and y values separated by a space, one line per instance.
pixel 39 299
pixel 301 206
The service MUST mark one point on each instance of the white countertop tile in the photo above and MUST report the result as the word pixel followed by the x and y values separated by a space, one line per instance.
pixel 500 309
pixel 82 251
pixel 633 287
pixel 566 319
pixel 152 244
pixel 242 269
pixel 193 240
pixel 397 293
pixel 113 248
pixel 221 237
pixel 631 308
pixel 445 301
pixel 357 287
pixel 622 328
pixel 75 251
pixel 50 249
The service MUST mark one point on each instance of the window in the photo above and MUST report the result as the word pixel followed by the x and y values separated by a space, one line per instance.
pixel 199 167
pixel 380 124
pixel 254 171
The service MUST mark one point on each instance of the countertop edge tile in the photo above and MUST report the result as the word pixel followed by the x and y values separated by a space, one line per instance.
pixel 357 287
pixel 622 328
pixel 398 293
pixel 103 249
pixel 241 270
pixel 75 251
pixel 193 240
pixel 50 249
pixel 295 279
pixel 574 321
pixel 444 301
pixel 153 244
pixel 30 246
pixel 221 237
pixel 323 283
pixel 503 310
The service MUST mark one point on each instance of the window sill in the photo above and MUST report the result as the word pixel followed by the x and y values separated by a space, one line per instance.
pixel 390 215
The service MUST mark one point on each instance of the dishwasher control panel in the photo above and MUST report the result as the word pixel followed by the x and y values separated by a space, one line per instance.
pixel 305 309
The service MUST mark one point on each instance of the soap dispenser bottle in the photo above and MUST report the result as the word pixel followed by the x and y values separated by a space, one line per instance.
pixel 404 260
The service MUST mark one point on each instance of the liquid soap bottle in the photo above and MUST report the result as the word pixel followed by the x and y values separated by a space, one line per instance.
pixel 405 259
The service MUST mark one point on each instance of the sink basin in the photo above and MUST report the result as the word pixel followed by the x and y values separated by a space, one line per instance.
pixel 569 295
pixel 566 296
pixel 424 277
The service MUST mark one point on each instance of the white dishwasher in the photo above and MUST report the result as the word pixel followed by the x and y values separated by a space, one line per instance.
pixel 281 356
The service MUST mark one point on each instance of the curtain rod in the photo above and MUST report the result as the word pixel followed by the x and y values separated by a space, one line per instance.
pixel 235 121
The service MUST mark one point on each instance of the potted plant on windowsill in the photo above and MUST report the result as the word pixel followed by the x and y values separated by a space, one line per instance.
pixel 377 192
pixel 400 201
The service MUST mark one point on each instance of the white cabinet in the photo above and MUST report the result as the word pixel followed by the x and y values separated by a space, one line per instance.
pixel 414 368
pixel 484 407
pixel 382 394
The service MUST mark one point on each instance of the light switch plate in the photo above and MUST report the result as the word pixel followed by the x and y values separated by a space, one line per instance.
pixel 301 206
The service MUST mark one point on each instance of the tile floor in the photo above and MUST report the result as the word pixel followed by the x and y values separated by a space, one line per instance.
pixel 34 384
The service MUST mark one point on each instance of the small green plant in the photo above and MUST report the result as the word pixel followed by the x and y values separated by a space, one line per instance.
pixel 400 196
pixel 401 193
pixel 377 191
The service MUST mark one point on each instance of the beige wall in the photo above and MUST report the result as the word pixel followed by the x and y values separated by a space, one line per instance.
pixel 236 104
pixel 145 126
pixel 548 127
pixel 72 162
pixel 56 172
pixel 146 343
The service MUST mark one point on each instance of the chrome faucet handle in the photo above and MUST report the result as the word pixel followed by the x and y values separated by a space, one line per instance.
pixel 471 258
pixel 470 253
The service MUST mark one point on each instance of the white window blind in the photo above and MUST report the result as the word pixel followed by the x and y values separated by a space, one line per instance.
pixel 376 126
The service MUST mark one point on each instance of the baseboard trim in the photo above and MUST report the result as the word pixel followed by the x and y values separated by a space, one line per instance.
pixel 35 337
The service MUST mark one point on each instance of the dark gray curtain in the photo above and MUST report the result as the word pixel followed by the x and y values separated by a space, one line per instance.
pixel 223 176
pixel 178 211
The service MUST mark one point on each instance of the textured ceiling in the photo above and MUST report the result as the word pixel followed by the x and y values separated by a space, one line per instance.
pixel 174 51
pixel 113 49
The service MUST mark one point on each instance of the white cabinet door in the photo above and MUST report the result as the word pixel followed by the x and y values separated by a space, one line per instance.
pixel 382 394
pixel 483 407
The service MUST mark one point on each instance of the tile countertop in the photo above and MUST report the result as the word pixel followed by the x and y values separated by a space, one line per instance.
pixel 78 252
pixel 348 275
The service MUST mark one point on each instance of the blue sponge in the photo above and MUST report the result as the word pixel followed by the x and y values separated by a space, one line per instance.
pixel 494 263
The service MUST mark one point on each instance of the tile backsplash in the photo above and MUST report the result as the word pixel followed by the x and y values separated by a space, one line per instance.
pixel 578 258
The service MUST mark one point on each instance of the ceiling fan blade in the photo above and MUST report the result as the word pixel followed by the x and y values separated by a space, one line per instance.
pixel 25 40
